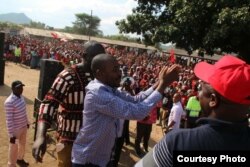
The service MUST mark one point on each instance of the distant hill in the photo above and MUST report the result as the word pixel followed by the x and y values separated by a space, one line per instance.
pixel 18 18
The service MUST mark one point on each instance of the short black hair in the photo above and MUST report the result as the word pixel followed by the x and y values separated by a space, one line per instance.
pixel 91 49
pixel 99 61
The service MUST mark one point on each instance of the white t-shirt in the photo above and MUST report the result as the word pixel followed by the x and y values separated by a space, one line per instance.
pixel 175 115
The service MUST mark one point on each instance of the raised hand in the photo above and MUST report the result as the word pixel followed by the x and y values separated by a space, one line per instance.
pixel 167 75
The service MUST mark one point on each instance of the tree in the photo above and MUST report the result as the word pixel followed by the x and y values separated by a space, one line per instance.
pixel 49 28
pixel 86 24
pixel 68 29
pixel 208 25
pixel 3 25
pixel 38 25
pixel 8 25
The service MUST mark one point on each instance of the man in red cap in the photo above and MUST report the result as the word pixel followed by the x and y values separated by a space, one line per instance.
pixel 225 100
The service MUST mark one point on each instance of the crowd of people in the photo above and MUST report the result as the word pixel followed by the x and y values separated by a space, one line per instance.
pixel 91 105
pixel 30 50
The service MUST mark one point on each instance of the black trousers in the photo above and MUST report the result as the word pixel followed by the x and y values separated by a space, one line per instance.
pixel 117 152
pixel 125 132
pixel 142 131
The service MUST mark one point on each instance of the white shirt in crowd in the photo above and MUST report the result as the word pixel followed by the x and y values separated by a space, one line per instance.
pixel 175 115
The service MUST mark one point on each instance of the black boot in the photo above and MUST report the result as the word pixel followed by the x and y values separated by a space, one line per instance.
pixel 22 163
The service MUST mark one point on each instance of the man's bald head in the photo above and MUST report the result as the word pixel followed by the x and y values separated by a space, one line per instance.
pixel 106 69
pixel 99 62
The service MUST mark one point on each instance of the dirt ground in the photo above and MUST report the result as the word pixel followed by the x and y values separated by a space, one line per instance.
pixel 30 77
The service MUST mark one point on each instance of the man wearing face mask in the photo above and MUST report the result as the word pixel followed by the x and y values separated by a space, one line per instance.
pixel 17 124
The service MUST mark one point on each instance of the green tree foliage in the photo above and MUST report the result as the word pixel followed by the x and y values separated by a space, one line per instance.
pixel 68 29
pixel 86 24
pixel 205 25
pixel 3 25
pixel 38 25
pixel 8 25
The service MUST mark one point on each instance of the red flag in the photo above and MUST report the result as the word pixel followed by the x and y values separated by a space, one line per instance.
pixel 172 57
pixel 54 35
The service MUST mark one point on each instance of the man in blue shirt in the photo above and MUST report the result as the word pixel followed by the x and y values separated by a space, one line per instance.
pixel 104 105
pixel 65 101
pixel 225 100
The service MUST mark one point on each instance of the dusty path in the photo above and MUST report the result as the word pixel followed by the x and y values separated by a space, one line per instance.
pixel 30 78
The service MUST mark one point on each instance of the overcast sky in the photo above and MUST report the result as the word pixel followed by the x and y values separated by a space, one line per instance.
pixel 61 13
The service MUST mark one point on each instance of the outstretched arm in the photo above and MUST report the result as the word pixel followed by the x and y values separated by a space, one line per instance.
pixel 40 144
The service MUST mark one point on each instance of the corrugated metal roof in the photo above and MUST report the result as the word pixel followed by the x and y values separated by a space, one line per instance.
pixel 47 33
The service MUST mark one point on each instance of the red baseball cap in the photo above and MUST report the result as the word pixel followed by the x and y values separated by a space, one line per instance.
pixel 229 76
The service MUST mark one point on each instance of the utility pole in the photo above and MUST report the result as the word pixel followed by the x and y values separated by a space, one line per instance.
pixel 90 22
